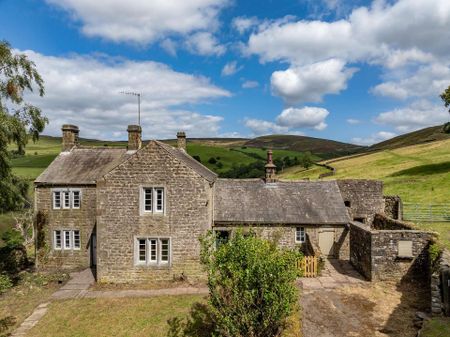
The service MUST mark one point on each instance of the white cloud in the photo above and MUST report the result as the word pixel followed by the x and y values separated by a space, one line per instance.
pixel 306 117
pixel 261 127
pixel 141 21
pixel 250 84
pixel 84 90
pixel 409 34
pixel 428 80
pixel 374 138
pixel 242 23
pixel 169 46
pixel 417 115
pixel 415 27
pixel 289 120
pixel 353 121
pixel 309 83
pixel 230 68
pixel 204 43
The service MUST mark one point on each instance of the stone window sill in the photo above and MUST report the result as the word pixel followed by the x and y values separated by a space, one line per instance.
pixel 399 257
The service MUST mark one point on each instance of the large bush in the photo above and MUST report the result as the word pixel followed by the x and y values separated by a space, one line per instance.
pixel 251 285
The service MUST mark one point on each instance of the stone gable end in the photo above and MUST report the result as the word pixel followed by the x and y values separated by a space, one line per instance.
pixel 188 214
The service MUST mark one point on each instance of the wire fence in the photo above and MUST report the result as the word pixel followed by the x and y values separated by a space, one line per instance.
pixel 426 212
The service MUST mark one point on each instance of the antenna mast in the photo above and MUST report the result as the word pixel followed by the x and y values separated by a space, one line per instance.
pixel 138 95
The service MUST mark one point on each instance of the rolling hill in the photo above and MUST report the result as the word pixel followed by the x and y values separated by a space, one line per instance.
pixel 324 148
pixel 426 135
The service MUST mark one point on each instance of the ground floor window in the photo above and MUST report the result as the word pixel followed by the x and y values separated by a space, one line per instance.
pixel 222 237
pixel 300 235
pixel 66 239
pixel 152 251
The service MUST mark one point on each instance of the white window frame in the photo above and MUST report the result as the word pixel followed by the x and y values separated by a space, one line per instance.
pixel 149 261
pixel 302 237
pixel 74 247
pixel 54 193
pixel 63 244
pixel 55 246
pixel 62 198
pixel 72 195
pixel 154 200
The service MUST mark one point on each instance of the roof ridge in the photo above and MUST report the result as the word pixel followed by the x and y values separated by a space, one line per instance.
pixel 171 150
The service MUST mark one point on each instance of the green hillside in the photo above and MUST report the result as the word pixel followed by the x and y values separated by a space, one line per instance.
pixel 422 136
pixel 418 173
pixel 324 148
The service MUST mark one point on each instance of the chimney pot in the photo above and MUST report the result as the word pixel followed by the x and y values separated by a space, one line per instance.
pixel 181 140
pixel 69 136
pixel 134 137
pixel 270 168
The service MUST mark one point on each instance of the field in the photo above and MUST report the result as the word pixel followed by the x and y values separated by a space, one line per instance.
pixel 418 174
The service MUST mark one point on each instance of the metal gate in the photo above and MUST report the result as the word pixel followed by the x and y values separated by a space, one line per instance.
pixel 426 212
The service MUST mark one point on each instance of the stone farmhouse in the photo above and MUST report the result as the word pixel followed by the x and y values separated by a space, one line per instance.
pixel 136 214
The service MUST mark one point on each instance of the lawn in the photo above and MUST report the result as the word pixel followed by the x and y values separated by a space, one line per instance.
pixel 119 317
pixel 20 301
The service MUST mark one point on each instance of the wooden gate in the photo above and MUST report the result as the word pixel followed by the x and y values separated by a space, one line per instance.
pixel 308 265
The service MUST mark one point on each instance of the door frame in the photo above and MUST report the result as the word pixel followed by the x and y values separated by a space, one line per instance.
pixel 333 248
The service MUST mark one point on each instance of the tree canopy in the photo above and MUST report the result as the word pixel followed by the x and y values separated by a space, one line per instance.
pixel 19 120
pixel 445 96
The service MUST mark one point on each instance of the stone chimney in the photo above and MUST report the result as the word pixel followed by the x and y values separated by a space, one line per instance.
pixel 270 168
pixel 134 137
pixel 181 140
pixel 69 136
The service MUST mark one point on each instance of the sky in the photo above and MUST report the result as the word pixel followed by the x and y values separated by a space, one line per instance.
pixel 353 71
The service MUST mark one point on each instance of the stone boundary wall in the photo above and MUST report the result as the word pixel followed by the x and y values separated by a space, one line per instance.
pixel 327 174
pixel 375 253
pixel 393 207
pixel 383 222
pixel 360 248
pixel 437 305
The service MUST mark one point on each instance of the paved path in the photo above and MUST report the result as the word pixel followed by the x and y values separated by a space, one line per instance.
pixel 336 273
pixel 32 320
pixel 77 286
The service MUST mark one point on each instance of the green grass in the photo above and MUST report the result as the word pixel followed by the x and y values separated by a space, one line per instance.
pixel 436 327
pixel 123 317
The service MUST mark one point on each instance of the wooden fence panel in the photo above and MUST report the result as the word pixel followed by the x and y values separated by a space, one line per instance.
pixel 308 265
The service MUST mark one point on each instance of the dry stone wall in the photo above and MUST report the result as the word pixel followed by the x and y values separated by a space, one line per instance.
pixel 393 207
pixel 376 253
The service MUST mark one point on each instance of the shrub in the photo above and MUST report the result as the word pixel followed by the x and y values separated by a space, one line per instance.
pixel 219 165
pixel 197 158
pixel 212 160
pixel 251 285
pixel 5 283
pixel 12 238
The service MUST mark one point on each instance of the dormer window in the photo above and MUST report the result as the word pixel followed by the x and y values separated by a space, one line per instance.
pixel 152 200
pixel 67 198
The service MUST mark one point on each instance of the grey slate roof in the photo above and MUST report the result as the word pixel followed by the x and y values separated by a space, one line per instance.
pixel 283 202
pixel 82 165
pixel 191 162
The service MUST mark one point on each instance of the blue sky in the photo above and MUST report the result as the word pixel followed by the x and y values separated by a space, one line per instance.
pixel 354 71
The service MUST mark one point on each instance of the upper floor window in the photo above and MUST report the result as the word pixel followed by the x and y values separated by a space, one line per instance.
pixel 152 200
pixel 66 198
pixel 300 235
